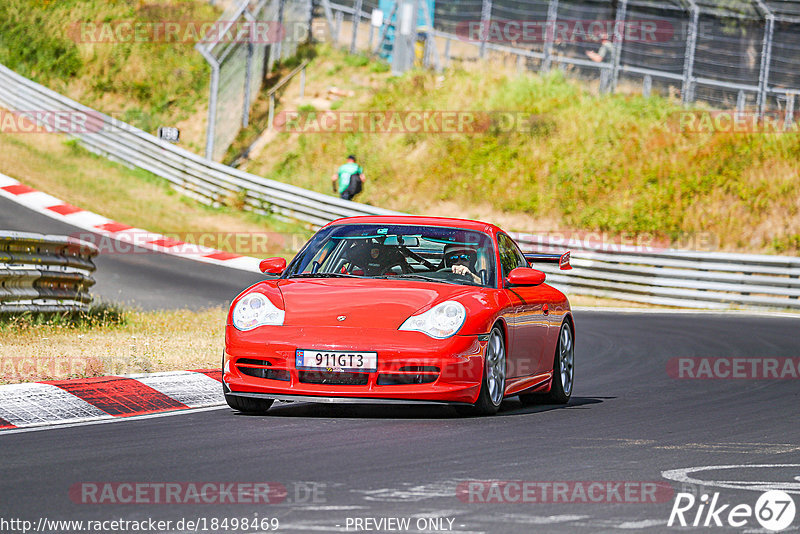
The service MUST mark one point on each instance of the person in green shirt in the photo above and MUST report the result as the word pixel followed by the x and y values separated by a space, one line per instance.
pixel 606 53
pixel 348 179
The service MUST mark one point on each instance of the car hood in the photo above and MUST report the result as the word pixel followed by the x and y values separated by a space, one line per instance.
pixel 362 303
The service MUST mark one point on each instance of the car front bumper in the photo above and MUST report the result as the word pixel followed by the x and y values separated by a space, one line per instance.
pixel 261 364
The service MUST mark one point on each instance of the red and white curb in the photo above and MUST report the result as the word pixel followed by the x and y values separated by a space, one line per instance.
pixel 57 209
pixel 107 397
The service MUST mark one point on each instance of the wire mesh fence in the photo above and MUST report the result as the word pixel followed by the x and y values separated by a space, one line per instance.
pixel 727 53
pixel 249 37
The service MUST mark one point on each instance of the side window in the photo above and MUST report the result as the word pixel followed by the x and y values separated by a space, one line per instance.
pixel 510 256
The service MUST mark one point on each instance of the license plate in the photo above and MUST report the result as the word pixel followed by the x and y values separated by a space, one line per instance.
pixel 336 360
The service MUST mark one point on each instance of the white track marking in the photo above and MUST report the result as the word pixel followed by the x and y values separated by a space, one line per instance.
pixel 647 523
pixel 110 419
pixel 192 389
pixel 43 404
pixel 683 475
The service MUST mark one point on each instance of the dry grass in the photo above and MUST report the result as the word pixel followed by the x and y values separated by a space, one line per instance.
pixel 146 342
pixel 614 164
pixel 144 82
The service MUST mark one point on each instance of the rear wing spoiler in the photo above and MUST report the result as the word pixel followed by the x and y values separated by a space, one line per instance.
pixel 561 259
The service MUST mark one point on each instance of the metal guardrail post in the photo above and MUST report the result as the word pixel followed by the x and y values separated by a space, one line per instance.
pixel 687 87
pixel 549 34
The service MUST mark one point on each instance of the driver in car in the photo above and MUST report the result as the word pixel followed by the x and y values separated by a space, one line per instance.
pixel 461 259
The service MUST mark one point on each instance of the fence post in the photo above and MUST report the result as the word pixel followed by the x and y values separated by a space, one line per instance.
pixel 271 111
pixel 430 39
pixel 248 73
pixel 212 99
pixel 275 49
pixel 338 27
pixel 356 22
pixel 687 88
pixel 766 57
pixel 387 21
pixel 326 6
pixel 486 16
pixel 788 118
pixel 302 82
pixel 647 85
pixel 619 39
pixel 549 33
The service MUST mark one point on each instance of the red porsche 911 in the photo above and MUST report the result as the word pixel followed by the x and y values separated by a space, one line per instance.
pixel 401 309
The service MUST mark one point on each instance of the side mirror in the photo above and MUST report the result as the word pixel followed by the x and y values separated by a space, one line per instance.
pixel 272 265
pixel 525 276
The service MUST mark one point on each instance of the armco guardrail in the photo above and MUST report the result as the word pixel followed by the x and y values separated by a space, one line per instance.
pixel 208 181
pixel 666 277
pixel 44 273
pixel 673 277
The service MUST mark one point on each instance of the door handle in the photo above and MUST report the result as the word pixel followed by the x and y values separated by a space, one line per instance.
pixel 545 309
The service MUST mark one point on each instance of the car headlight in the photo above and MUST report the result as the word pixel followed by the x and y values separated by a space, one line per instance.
pixel 440 322
pixel 255 310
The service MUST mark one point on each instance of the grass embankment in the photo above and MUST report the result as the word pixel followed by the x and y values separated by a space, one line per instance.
pixel 617 164
pixel 143 81
pixel 108 341
pixel 62 168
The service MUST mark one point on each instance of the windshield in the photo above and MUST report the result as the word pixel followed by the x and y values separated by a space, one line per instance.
pixel 425 253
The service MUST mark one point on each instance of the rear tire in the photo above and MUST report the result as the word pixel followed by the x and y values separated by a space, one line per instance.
pixel 493 383
pixel 248 404
pixel 563 372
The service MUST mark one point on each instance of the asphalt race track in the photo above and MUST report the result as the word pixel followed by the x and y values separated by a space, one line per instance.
pixel 628 422
pixel 144 279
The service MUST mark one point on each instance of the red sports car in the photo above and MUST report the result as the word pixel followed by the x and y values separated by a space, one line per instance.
pixel 401 309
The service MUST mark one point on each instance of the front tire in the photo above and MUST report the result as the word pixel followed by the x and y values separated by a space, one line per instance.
pixel 248 404
pixel 493 384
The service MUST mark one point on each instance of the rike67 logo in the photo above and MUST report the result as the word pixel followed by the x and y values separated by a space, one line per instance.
pixel 774 510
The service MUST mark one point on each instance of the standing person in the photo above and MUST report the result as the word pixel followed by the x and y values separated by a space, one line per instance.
pixel 347 181
pixel 606 52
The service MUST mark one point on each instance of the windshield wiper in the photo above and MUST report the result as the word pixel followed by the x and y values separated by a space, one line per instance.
pixel 418 277
pixel 324 275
